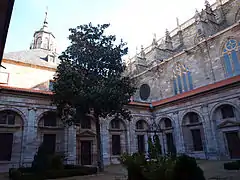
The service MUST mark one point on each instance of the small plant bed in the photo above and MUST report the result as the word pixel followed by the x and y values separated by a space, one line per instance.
pixel 234 165
pixel 49 166
pixel 159 167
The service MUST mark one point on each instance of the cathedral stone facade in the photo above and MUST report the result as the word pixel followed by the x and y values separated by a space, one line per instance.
pixel 188 95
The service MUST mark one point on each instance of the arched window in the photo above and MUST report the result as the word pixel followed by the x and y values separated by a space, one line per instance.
pixel 140 124
pixel 39 42
pixel 193 117
pixel 231 58
pixel 182 79
pixel 227 111
pixel 115 124
pixel 7 117
pixel 50 119
pixel 46 44
pixel 193 132
pixel 167 123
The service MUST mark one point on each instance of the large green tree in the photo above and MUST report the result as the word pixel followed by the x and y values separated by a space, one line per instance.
pixel 90 77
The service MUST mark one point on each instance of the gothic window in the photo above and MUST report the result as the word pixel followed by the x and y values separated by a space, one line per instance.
pixel 197 140
pixel 49 143
pixel 141 143
pixel 175 86
pixel 182 79
pixel 7 117
pixel 140 125
pixel 231 58
pixel 6 139
pixel 116 145
pixel 50 119
pixel 86 123
pixel 115 124
pixel 227 111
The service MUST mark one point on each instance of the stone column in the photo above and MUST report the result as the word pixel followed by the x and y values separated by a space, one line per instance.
pixel 210 141
pixel 105 142
pixel 177 132
pixel 132 138
pixel 30 141
pixel 70 144
pixel 129 133
pixel 146 143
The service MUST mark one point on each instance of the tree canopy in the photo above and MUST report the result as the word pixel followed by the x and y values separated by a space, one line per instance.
pixel 90 74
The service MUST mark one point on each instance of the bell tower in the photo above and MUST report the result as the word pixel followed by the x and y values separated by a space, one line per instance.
pixel 43 38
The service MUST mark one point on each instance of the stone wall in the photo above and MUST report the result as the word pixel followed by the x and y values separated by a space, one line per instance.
pixel 26 77
pixel 204 61
pixel 27 138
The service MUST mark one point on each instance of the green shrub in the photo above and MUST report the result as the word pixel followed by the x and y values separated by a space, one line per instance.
pixel 56 162
pixel 15 174
pixel 186 168
pixel 134 164
pixel 235 165
pixel 157 145
pixel 164 168
pixel 10 172
pixel 238 161
pixel 26 169
pixel 41 161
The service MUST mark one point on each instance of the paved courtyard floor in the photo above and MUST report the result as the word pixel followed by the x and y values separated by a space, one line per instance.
pixel 212 170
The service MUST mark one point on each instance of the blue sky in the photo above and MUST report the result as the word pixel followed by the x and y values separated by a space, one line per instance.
pixel 133 20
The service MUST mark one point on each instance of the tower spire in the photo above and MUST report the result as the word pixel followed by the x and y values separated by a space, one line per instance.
pixel 154 42
pixel 178 24
pixel 45 23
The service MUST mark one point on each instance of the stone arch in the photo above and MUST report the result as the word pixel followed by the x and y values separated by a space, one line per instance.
pixel 50 135
pixel 140 136
pixel 226 129
pixel 193 132
pixel 118 139
pixel 18 111
pixel 215 107
pixel 168 134
pixel 13 137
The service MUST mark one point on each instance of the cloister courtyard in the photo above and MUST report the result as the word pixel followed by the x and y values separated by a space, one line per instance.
pixel 212 170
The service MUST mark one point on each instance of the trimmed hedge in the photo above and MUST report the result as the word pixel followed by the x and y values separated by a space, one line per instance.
pixel 164 168
pixel 71 170
pixel 235 165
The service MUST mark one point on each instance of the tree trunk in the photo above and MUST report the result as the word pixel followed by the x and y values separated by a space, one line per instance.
pixel 99 145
